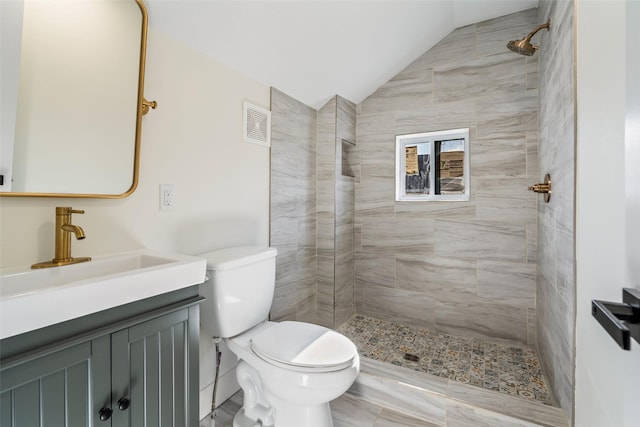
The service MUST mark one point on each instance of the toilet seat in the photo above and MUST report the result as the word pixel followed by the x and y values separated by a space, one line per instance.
pixel 304 347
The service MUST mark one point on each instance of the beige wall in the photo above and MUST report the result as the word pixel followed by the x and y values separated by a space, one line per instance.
pixel 194 141
pixel 466 268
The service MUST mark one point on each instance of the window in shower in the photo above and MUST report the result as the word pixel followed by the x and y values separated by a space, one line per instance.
pixel 433 166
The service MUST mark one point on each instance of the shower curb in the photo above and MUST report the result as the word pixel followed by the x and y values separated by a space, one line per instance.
pixel 445 402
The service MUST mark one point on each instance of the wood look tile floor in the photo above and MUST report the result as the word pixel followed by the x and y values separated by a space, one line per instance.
pixel 348 411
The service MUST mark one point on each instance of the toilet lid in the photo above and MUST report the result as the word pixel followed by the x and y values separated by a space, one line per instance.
pixel 304 345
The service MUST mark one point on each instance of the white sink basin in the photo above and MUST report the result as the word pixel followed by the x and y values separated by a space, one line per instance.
pixel 32 299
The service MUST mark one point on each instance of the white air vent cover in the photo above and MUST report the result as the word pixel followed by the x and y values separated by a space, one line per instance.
pixel 256 124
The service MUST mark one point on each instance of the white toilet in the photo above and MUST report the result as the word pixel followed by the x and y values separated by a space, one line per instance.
pixel 289 371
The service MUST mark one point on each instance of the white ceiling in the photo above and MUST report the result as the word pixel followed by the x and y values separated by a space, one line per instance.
pixel 312 49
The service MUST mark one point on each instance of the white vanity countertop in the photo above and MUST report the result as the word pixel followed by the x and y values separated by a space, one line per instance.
pixel 32 299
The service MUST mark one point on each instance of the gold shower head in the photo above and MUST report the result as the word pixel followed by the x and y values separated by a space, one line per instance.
pixel 524 46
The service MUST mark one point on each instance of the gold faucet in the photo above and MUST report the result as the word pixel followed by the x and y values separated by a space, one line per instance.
pixel 64 228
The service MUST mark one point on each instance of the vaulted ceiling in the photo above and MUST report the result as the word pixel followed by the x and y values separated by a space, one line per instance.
pixel 313 49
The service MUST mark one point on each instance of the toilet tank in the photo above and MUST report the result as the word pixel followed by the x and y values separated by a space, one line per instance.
pixel 239 289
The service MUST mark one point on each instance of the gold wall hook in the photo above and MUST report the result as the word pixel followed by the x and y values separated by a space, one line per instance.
pixel 148 104
pixel 544 188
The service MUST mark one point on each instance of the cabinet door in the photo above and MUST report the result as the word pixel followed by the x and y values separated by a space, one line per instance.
pixel 52 390
pixel 155 368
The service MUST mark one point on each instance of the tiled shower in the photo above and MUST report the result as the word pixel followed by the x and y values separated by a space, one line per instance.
pixel 478 269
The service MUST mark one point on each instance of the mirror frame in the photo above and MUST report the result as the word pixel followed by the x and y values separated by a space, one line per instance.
pixel 138 133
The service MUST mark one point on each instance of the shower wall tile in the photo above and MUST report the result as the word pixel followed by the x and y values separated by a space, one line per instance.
pixel 499 157
pixel 435 117
pixel 481 76
pixel 287 275
pixel 344 288
pixel 375 269
pixel 344 243
pixel 564 265
pixel 378 161
pixel 555 340
pixel 335 214
pixel 357 237
pixel 506 200
pixel 533 169
pixel 345 200
pixel 532 243
pixel 411 308
pixel 325 290
pixel 344 281
pixel 284 191
pixel 293 207
pixel 505 123
pixel 324 239
pixel 532 328
pixel 508 283
pixel 306 310
pixel 306 239
pixel 284 230
pixel 326 218
pixel 345 119
pixel 375 127
pixel 374 197
pixel 533 68
pixel 435 210
pixel 494 240
pixel 410 89
pixel 326 197
pixel 392 235
pixel 481 318
pixel 422 262
pixel 436 276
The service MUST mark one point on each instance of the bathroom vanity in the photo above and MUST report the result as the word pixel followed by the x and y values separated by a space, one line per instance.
pixel 131 364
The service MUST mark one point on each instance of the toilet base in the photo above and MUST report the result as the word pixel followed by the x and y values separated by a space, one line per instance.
pixel 262 408
pixel 241 420
pixel 308 416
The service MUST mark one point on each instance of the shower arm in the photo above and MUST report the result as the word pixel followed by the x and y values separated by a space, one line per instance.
pixel 538 28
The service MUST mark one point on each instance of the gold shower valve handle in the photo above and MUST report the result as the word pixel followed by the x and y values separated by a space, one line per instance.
pixel 544 188
pixel 540 188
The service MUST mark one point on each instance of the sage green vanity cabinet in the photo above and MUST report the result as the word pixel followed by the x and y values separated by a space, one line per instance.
pixel 139 371
pixel 52 390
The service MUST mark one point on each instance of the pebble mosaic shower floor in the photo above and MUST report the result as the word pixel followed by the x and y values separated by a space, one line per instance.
pixel 506 369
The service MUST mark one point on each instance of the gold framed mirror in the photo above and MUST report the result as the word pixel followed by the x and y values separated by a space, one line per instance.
pixel 75 81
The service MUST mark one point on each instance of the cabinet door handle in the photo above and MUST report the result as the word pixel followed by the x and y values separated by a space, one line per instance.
pixel 105 414
pixel 123 403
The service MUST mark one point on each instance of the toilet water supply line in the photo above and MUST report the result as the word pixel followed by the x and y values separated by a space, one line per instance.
pixel 217 341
